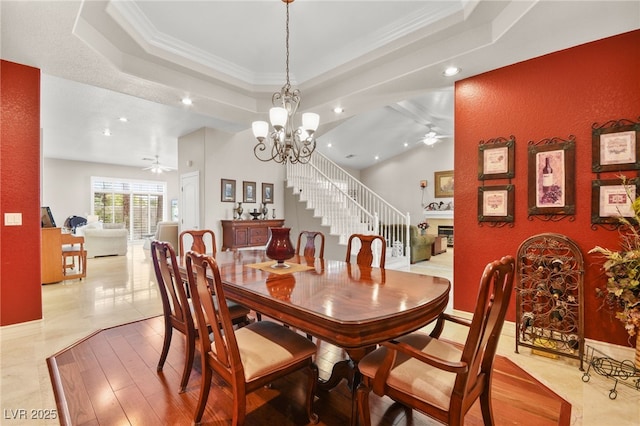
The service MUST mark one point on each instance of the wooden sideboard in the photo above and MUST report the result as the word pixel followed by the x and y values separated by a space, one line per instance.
pixel 247 233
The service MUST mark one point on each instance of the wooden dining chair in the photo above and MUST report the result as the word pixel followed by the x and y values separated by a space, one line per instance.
pixel 247 358
pixel 309 249
pixel 203 241
pixel 199 239
pixel 177 307
pixel 365 256
pixel 435 376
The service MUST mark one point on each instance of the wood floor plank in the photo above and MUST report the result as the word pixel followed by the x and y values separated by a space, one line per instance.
pixel 76 395
pixel 112 374
pixel 107 408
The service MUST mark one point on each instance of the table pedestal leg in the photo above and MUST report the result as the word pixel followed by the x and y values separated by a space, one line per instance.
pixel 347 369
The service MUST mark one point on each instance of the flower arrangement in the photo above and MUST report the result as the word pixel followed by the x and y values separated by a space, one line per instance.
pixel 622 268
pixel 423 225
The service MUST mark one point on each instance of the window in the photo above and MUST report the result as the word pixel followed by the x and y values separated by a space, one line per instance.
pixel 140 205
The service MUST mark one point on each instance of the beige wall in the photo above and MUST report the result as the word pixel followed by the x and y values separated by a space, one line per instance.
pixel 397 180
pixel 220 155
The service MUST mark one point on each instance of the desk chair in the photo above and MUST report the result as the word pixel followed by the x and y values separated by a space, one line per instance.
pixel 247 358
pixel 73 250
pixel 365 255
pixel 437 377
pixel 310 245
pixel 177 307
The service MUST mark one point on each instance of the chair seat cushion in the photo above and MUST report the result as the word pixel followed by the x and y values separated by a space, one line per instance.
pixel 266 346
pixel 414 377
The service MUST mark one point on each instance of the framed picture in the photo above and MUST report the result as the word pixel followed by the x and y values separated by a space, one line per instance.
pixel 267 193
pixel 249 192
pixel 612 199
pixel 496 158
pixel 496 203
pixel 443 184
pixel 551 165
pixel 228 190
pixel 615 146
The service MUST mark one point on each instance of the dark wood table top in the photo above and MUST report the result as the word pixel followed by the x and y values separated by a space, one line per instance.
pixel 350 306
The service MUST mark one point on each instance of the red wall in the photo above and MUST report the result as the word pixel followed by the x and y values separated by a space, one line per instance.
pixel 556 95
pixel 20 288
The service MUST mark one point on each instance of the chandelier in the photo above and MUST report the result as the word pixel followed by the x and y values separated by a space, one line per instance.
pixel 285 142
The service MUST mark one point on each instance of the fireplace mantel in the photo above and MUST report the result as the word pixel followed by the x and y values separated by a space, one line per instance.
pixel 438 214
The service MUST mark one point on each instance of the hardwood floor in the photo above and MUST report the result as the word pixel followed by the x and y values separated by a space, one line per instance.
pixel 110 378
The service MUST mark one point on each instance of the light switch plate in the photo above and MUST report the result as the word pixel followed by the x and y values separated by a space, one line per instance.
pixel 13 219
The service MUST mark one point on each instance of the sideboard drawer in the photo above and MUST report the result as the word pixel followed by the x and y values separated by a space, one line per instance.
pixel 258 236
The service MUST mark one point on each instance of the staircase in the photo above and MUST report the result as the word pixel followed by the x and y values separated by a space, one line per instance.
pixel 346 206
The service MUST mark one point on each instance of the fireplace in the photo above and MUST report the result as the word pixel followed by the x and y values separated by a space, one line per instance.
pixel 446 230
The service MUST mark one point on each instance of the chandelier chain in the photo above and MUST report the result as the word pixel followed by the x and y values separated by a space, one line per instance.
pixel 288 83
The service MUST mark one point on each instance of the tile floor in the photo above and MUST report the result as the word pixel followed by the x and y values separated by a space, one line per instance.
pixel 123 289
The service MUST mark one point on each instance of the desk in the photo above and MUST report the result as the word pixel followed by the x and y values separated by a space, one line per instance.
pixel 347 305
pixel 53 257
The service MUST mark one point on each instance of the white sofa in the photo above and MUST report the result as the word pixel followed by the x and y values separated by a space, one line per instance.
pixel 104 239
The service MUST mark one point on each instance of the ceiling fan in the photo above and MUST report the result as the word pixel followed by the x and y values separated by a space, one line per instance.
pixel 431 137
pixel 156 167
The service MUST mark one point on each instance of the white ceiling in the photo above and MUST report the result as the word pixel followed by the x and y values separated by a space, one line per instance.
pixel 380 60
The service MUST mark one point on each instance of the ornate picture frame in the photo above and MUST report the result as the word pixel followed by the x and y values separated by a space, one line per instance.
pixel 615 145
pixel 612 199
pixel 248 192
pixel 496 203
pixel 443 184
pixel 267 193
pixel 496 158
pixel 227 190
pixel 551 179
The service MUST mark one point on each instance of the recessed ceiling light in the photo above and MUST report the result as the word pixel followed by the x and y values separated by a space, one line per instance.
pixel 377 158
pixel 187 101
pixel 406 144
pixel 329 145
pixel 450 71
pixel 123 119
pixel 338 110
pixel 106 132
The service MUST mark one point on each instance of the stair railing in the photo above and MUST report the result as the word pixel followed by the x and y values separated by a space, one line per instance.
pixel 359 203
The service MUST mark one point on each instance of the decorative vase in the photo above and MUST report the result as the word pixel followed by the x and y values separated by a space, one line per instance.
pixel 239 211
pixel 279 246
pixel 274 214
pixel 265 210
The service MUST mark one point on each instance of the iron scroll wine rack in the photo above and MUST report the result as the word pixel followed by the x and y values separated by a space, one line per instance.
pixel 549 296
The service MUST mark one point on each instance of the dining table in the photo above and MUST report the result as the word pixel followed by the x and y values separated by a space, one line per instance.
pixel 351 306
